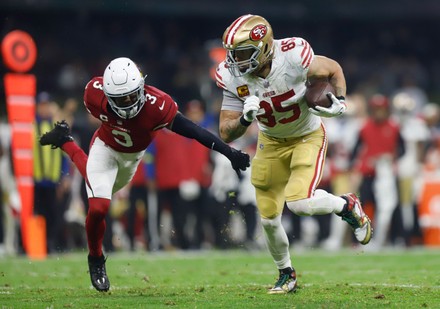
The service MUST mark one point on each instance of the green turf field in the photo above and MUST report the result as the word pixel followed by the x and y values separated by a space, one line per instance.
pixel 226 279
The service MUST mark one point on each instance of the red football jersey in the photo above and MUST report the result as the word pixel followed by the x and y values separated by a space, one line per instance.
pixel 134 134
pixel 377 139
pixel 191 161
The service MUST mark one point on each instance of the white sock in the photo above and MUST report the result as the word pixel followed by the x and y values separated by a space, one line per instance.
pixel 277 241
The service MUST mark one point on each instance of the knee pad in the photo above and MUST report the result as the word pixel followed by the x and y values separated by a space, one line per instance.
pixel 297 188
pixel 269 207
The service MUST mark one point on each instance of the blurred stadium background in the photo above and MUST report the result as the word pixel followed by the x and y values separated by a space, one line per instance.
pixel 388 47
pixel 377 42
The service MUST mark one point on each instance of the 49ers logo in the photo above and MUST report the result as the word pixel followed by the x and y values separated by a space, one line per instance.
pixel 258 32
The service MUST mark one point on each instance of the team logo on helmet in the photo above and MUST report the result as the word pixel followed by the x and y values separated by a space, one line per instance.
pixel 258 32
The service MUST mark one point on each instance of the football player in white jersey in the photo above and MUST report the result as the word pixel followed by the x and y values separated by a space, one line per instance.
pixel 264 79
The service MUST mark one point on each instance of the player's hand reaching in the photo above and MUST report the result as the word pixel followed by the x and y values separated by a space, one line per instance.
pixel 251 107
pixel 337 108
pixel 239 160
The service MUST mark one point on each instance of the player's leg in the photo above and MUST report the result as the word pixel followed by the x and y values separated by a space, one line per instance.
pixel 102 169
pixel 78 157
pixel 340 183
pixel 60 137
pixel 269 177
pixel 307 165
pixel 108 171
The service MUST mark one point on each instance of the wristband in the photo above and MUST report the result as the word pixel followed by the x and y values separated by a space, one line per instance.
pixel 244 122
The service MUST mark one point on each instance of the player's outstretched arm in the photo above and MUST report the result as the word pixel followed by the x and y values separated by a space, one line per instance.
pixel 185 127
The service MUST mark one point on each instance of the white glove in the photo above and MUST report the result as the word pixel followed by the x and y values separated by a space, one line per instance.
pixel 250 108
pixel 337 108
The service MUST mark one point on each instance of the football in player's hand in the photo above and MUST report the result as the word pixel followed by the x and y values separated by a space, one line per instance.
pixel 316 93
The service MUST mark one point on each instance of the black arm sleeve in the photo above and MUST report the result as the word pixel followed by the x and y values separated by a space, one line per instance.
pixel 400 146
pixel 355 151
pixel 185 127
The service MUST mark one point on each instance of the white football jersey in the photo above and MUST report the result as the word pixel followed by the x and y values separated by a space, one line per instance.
pixel 283 111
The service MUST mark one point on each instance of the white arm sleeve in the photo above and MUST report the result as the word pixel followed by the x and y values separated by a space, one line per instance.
pixel 231 102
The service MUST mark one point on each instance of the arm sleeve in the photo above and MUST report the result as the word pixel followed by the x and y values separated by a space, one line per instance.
pixel 185 127
pixel 355 151
pixel 231 102
pixel 400 146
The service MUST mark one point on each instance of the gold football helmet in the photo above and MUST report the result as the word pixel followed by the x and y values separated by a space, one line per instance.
pixel 248 41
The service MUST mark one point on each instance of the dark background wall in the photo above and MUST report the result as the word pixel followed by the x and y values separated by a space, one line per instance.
pixel 380 44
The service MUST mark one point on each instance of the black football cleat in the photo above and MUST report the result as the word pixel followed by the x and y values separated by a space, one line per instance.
pixel 98 274
pixel 58 136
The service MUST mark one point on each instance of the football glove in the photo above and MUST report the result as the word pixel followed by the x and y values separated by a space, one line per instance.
pixel 337 108
pixel 250 108
pixel 239 160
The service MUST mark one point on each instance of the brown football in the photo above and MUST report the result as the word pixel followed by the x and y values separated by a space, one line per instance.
pixel 316 93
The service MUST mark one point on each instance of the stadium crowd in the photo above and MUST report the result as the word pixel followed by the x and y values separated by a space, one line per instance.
pixel 191 202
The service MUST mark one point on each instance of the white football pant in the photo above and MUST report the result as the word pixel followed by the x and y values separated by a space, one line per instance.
pixel 108 171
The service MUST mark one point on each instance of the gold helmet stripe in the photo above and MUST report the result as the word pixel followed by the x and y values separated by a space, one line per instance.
pixel 233 29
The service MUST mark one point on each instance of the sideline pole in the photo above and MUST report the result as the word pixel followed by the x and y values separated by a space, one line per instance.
pixel 19 54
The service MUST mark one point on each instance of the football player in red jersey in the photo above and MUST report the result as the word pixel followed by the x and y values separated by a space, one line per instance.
pixel 264 79
pixel 131 112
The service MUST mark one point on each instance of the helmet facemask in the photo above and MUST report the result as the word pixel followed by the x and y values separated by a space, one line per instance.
pixel 124 88
pixel 245 66
pixel 127 105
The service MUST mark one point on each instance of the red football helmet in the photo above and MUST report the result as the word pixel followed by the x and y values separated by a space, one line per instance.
pixel 379 101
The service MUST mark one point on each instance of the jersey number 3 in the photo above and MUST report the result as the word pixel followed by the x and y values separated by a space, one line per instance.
pixel 122 138
pixel 292 112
